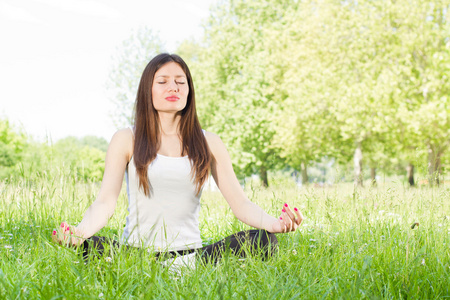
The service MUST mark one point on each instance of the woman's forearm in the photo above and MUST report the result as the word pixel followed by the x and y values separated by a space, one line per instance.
pixel 95 218
pixel 253 215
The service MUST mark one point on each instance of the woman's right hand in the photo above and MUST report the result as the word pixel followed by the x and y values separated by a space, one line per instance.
pixel 67 235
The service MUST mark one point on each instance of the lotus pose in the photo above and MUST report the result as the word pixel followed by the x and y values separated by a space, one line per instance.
pixel 166 158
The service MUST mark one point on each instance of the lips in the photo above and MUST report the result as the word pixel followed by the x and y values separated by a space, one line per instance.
pixel 172 98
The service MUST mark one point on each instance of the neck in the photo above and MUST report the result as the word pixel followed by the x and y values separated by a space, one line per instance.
pixel 169 123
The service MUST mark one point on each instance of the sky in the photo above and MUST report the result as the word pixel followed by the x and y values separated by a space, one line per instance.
pixel 55 57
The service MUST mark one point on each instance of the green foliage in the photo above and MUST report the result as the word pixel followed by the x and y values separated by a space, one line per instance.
pixel 82 159
pixel 85 162
pixel 12 146
pixel 290 82
pixel 300 80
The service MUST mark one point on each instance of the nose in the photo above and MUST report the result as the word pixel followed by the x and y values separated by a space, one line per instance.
pixel 173 86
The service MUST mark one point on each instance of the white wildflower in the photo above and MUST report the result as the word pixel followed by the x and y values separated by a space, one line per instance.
pixel 76 262
pixel 100 295
pixel 294 252
pixel 423 262
pixel 8 246
pixel 312 240
pixel 108 259
pixel 243 266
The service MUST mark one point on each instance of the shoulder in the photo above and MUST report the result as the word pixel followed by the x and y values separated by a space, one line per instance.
pixel 215 144
pixel 122 142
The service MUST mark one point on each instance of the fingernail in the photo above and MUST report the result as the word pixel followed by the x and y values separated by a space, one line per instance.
pixel 67 228
pixel 54 232
pixel 283 210
pixel 295 208
pixel 281 218
pixel 62 224
pixel 285 205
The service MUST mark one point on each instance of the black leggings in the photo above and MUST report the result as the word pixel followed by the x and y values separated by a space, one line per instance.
pixel 242 244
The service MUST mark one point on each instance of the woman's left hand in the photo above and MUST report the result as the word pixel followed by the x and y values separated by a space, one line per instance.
pixel 288 221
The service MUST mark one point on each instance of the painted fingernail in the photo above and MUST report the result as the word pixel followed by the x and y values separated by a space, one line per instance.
pixel 285 205
pixel 62 224
pixel 295 208
pixel 283 210
pixel 54 232
pixel 67 228
pixel 281 218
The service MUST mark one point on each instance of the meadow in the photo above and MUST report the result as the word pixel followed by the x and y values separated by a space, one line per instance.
pixel 385 242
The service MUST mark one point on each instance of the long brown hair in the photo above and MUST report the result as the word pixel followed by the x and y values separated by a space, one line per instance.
pixel 147 127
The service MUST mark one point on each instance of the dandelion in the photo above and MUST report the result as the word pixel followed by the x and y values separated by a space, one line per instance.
pixel 423 262
pixel 108 259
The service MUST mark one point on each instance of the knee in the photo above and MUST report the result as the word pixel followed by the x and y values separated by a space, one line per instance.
pixel 268 241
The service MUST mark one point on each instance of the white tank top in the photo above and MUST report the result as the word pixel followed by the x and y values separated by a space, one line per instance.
pixel 168 219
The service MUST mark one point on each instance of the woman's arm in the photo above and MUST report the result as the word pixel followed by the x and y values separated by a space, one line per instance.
pixel 245 210
pixel 97 215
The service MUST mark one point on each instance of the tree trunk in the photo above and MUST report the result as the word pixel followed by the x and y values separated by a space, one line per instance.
pixel 263 176
pixel 305 179
pixel 410 174
pixel 357 159
pixel 373 176
pixel 434 165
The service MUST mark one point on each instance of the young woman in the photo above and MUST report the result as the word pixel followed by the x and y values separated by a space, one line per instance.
pixel 167 158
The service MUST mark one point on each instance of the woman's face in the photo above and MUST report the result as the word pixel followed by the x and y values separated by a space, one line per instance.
pixel 170 88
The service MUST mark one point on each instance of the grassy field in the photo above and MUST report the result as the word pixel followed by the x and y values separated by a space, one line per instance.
pixel 353 243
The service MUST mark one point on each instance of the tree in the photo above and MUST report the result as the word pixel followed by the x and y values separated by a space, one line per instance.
pixel 242 72
pixel 128 65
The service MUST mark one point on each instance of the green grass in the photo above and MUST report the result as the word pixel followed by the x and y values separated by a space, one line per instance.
pixel 353 244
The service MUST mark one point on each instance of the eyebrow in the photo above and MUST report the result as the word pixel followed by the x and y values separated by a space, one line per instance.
pixel 167 76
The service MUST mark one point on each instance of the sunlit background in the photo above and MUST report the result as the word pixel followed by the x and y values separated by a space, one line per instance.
pixel 55 57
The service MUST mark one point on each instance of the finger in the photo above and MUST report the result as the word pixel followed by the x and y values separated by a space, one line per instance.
pixel 54 236
pixel 283 225
pixel 287 220
pixel 300 217
pixel 289 212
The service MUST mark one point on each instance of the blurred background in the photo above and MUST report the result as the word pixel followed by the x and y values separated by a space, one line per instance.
pixel 302 92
